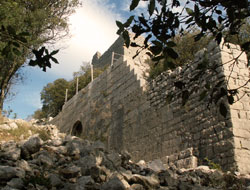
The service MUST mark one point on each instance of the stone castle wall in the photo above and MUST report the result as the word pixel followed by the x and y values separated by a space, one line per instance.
pixel 126 112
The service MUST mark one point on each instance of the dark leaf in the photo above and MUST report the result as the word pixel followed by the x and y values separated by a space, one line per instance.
pixel 2 28
pixel 219 84
pixel 218 37
pixel 54 60
pixel 157 43
pixel 128 22
pixel 179 84
pixel 149 54
pixel 48 64
pixel 156 50
pixel 119 31
pixel 22 39
pixel 119 24
pixel 233 92
pixel 143 21
pixel 207 86
pixel 219 12
pixel 6 50
pixel 24 34
pixel 54 52
pixel 134 4
pixel 17 52
pixel 151 7
pixel 133 44
pixel 190 11
pixel 230 99
pixel 126 38
pixel 16 44
pixel 220 19
pixel 171 44
pixel 185 96
pixel 32 63
pixel 198 36
pixel 223 92
pixel 189 20
pixel 211 24
pixel 196 11
pixel 246 46
pixel 172 53
pixel 146 40
pixel 11 30
pixel 203 95
pixel 223 110
pixel 40 52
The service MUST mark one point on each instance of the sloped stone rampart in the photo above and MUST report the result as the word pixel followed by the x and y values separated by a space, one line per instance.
pixel 125 112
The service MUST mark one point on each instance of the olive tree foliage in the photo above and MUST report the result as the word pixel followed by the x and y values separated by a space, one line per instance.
pixel 186 47
pixel 53 96
pixel 164 19
pixel 25 27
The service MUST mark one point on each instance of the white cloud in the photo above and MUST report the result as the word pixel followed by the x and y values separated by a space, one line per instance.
pixel 92 29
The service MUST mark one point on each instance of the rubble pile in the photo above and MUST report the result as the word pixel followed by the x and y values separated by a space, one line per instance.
pixel 70 163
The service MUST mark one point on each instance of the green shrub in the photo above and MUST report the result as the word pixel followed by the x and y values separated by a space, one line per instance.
pixel 213 165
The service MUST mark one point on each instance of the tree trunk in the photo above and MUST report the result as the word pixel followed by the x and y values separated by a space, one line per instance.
pixel 1 101
pixel 7 74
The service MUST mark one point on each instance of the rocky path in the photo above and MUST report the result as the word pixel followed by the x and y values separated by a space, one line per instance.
pixel 71 163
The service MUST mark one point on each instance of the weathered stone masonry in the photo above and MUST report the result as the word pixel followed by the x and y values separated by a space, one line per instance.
pixel 121 109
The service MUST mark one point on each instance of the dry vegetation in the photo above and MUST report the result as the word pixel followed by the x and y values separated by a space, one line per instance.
pixel 23 131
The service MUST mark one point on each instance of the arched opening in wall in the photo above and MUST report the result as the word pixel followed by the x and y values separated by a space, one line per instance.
pixel 77 129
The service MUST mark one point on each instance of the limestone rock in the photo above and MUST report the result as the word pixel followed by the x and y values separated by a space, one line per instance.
pixel 114 184
pixel 13 125
pixel 10 151
pixel 16 183
pixel 5 127
pixel 7 172
pixel 72 163
pixel 70 172
pixel 32 145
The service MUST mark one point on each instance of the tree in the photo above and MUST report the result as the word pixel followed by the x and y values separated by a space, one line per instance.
pixel 25 27
pixel 186 47
pixel 53 94
pixel 53 97
pixel 84 78
pixel 242 37
pixel 162 22
pixel 38 114
pixel 165 19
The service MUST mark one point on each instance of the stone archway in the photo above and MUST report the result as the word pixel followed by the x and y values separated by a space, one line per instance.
pixel 77 129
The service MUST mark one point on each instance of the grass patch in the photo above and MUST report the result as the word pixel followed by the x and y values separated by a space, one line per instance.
pixel 23 131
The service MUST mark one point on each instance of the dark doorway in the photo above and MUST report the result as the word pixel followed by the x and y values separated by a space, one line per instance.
pixel 77 129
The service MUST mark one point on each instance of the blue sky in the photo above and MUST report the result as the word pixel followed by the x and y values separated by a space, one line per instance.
pixel 92 28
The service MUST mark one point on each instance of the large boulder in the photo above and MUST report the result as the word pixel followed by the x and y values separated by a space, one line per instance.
pixel 31 146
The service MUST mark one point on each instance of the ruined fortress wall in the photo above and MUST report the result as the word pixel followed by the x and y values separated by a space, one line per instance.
pixel 122 110
pixel 118 49
pixel 200 130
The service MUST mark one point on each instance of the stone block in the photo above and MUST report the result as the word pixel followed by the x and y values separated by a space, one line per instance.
pixel 191 162
pixel 173 158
